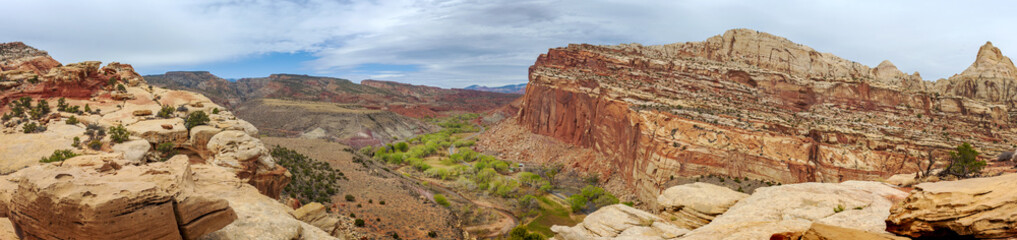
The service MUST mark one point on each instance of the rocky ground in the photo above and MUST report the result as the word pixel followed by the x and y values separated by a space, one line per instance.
pixel 405 211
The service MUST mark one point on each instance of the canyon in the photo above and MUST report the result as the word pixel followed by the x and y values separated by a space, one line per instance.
pixel 749 104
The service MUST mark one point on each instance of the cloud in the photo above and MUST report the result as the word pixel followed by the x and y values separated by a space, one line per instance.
pixel 455 43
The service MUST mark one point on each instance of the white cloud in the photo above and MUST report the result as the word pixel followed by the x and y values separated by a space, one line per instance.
pixel 457 43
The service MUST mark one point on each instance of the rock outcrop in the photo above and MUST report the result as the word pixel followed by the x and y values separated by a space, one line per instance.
pixel 743 104
pixel 992 77
pixel 820 231
pixel 619 222
pixel 984 208
pixel 696 204
pixel 91 196
pixel 795 207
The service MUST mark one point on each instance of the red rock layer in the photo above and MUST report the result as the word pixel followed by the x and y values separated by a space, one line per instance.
pixel 747 104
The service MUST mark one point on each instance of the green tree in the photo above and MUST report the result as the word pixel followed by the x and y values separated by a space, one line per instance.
pixel 964 161
pixel 196 119
pixel 402 146
pixel 165 112
pixel 58 156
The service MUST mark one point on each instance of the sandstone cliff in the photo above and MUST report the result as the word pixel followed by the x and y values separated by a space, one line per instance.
pixel 744 104
pixel 141 172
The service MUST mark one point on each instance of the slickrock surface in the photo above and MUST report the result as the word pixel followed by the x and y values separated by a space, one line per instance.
pixel 91 196
pixel 979 207
pixel 619 222
pixel 853 208
pixel 820 231
pixel 745 104
pixel 795 207
pixel 696 204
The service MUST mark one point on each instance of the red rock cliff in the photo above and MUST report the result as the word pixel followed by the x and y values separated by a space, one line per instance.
pixel 748 104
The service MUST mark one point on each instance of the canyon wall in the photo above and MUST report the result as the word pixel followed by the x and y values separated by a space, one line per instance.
pixel 750 104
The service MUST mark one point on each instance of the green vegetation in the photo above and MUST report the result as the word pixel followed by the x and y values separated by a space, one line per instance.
pixel 167 150
pixel 358 222
pixel 30 127
pixel 165 112
pixel 964 161
pixel 118 133
pixel 520 233
pixel 72 120
pixel 196 119
pixel 313 181
pixel 58 156
pixel 441 200
pixel 76 143
pixel 350 198
pixel 839 208
pixel 549 213
pixel 591 195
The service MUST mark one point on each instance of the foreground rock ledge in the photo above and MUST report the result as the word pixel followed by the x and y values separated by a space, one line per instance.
pixel 985 208
pixel 91 196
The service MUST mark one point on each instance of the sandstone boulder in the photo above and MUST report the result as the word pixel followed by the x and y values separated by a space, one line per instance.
pixel 260 217
pixel 91 196
pixel 143 112
pixel 619 222
pixel 977 207
pixel 153 132
pixel 795 207
pixel 200 135
pixel 249 159
pixel 696 204
pixel 134 151
pixel 315 214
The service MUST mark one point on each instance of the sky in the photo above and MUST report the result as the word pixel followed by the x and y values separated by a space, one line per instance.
pixel 456 43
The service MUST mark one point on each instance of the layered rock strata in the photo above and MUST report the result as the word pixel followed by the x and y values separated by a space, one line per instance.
pixel 748 104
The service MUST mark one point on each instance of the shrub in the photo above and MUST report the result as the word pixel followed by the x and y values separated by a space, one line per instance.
pixel 441 200
pixel 402 146
pixel 87 108
pixel 382 202
pixel 30 127
pixel 215 111
pixel 121 88
pixel 165 112
pixel 182 108
pixel 76 143
pixel 95 144
pixel 72 120
pixel 591 194
pixel 358 222
pixel 33 80
pixel 196 119
pixel 168 149
pixel 432 234
pixel 964 161
pixel 119 133
pixel 350 198
pixel 58 156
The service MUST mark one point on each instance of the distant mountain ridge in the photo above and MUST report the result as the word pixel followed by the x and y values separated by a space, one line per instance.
pixel 405 99
pixel 512 88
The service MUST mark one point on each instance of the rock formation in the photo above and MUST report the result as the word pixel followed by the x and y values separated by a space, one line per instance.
pixel 742 104
pixel 90 196
pixel 694 205
pixel 619 222
pixel 793 211
pixel 983 208
pixel 163 178
pixel 992 77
